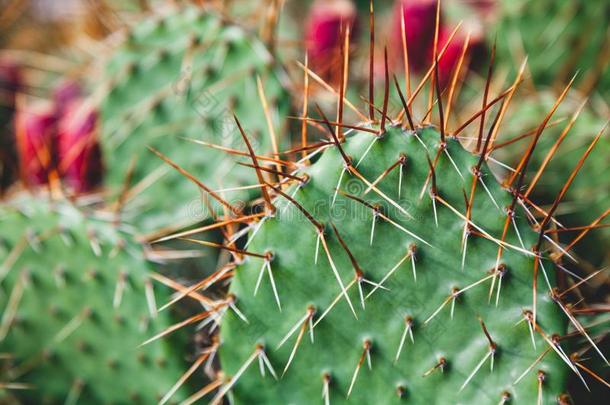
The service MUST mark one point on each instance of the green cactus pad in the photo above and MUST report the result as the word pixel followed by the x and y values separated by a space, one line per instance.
pixel 75 309
pixel 181 75
pixel 437 366
pixel 597 325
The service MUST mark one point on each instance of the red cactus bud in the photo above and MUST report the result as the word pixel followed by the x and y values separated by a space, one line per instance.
pixel 35 128
pixel 10 85
pixel 80 159
pixel 66 93
pixel 420 23
pixel 450 58
pixel 323 36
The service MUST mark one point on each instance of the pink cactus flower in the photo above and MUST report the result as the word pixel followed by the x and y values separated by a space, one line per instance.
pixel 323 37
pixel 59 139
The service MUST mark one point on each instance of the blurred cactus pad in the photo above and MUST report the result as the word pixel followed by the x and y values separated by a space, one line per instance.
pixel 77 302
pixel 177 78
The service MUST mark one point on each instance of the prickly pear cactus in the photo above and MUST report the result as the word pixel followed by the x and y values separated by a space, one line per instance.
pixel 560 38
pixel 371 287
pixel 77 302
pixel 182 74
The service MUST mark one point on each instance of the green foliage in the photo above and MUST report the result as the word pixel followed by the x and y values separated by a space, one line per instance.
pixel 407 232
pixel 77 301
pixel 182 75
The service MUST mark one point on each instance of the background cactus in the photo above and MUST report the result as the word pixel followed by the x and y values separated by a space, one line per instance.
pixel 10 84
pixel 406 270
pixel 564 142
pixel 560 38
pixel 387 264
pixel 180 75
pixel 77 301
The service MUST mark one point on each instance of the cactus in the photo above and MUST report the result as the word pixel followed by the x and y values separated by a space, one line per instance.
pixel 395 266
pixel 180 75
pixel 413 228
pixel 596 322
pixel 36 136
pixel 388 264
pixel 77 301
pixel 560 37
pixel 428 325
